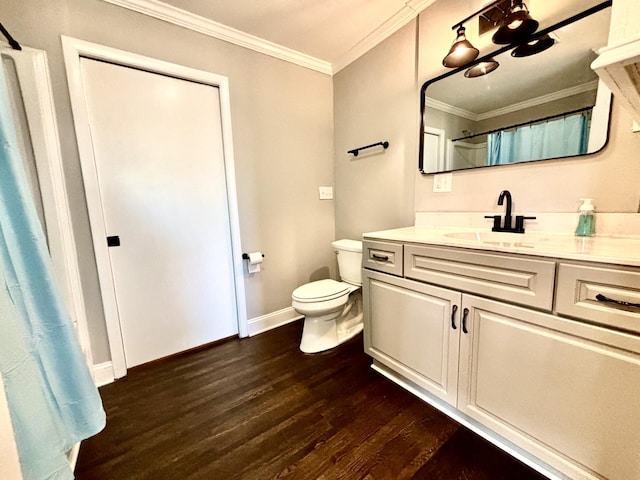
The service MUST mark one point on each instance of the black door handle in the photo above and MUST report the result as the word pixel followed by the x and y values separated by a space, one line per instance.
pixel 113 241
pixel 454 309
pixel 602 298
pixel 465 314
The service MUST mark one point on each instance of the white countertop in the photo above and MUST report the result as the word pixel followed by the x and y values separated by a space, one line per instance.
pixel 611 249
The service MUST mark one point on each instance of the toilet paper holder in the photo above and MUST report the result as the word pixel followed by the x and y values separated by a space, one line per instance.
pixel 245 256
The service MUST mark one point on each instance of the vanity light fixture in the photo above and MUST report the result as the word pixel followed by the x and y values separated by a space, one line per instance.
pixel 516 26
pixel 534 46
pixel 461 52
pixel 482 68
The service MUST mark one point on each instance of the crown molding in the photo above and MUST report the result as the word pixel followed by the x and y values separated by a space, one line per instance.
pixel 196 23
pixel 452 109
pixel 533 102
pixel 408 12
pixel 551 97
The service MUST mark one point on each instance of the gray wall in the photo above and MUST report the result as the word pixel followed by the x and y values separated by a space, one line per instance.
pixel 378 94
pixel 611 177
pixel 287 120
pixel 375 100
pixel 282 120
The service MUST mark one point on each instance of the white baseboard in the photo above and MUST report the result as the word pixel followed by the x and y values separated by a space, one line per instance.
pixel 103 373
pixel 273 320
pixel 72 456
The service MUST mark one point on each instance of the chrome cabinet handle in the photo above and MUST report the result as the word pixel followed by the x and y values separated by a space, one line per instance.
pixel 383 258
pixel 465 314
pixel 454 309
pixel 602 298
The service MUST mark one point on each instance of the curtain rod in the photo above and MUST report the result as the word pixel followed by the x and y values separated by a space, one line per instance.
pixel 14 44
pixel 531 122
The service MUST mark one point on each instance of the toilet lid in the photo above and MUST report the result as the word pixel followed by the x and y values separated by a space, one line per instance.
pixel 320 291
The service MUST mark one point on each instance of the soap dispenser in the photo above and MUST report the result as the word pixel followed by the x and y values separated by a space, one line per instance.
pixel 586 222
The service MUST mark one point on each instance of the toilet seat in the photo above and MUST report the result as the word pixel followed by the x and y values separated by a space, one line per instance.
pixel 320 291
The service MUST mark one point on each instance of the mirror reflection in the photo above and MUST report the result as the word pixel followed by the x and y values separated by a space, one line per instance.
pixel 547 105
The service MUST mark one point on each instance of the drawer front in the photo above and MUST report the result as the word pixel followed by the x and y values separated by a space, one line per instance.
pixel 524 281
pixel 578 287
pixel 382 256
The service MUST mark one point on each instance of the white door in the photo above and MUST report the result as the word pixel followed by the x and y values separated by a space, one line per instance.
pixel 157 143
pixel 433 159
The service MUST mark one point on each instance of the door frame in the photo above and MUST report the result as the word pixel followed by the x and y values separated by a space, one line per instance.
pixel 35 85
pixel 73 50
pixel 441 137
pixel 32 68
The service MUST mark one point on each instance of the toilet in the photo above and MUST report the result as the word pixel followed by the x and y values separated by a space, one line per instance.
pixel 332 310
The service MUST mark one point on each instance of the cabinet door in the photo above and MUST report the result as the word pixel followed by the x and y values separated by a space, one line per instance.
pixel 413 328
pixel 563 390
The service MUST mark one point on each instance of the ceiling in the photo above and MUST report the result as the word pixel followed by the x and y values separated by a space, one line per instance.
pixel 323 29
pixel 325 35
pixel 333 32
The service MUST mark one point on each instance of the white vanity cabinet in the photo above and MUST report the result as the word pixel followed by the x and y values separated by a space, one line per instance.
pixel 414 328
pixel 478 335
pixel 618 64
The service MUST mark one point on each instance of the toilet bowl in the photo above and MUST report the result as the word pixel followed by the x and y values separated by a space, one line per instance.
pixel 332 309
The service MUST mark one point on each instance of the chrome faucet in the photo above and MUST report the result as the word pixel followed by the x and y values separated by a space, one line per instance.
pixel 507 225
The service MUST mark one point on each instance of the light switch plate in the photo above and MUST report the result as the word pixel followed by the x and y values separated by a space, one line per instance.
pixel 326 193
pixel 442 182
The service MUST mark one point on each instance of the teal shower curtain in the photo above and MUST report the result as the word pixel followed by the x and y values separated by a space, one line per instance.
pixel 52 400
pixel 563 137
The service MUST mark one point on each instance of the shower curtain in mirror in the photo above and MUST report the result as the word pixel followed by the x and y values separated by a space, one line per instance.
pixel 52 400
pixel 563 137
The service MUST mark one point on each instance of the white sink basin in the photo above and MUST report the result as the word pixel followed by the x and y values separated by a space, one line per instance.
pixel 500 238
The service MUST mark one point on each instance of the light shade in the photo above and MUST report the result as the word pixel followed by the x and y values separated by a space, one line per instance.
pixel 516 27
pixel 535 46
pixel 461 52
pixel 482 68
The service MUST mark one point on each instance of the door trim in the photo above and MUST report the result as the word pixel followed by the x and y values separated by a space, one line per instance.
pixel 73 50
pixel 35 85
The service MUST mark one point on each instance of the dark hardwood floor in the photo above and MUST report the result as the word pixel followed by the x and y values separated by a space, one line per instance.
pixel 258 408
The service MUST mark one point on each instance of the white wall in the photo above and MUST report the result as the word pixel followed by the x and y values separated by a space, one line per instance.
pixel 282 118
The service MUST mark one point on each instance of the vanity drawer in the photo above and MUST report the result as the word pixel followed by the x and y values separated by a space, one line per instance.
pixel 382 256
pixel 579 285
pixel 513 279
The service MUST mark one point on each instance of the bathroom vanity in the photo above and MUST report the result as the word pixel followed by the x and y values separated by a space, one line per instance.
pixel 531 340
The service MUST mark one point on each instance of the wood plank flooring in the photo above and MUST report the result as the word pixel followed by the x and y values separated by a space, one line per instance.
pixel 258 408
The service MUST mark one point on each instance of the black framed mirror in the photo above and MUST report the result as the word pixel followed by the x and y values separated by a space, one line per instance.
pixel 544 106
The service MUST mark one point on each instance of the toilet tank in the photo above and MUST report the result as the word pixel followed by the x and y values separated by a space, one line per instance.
pixel 349 260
